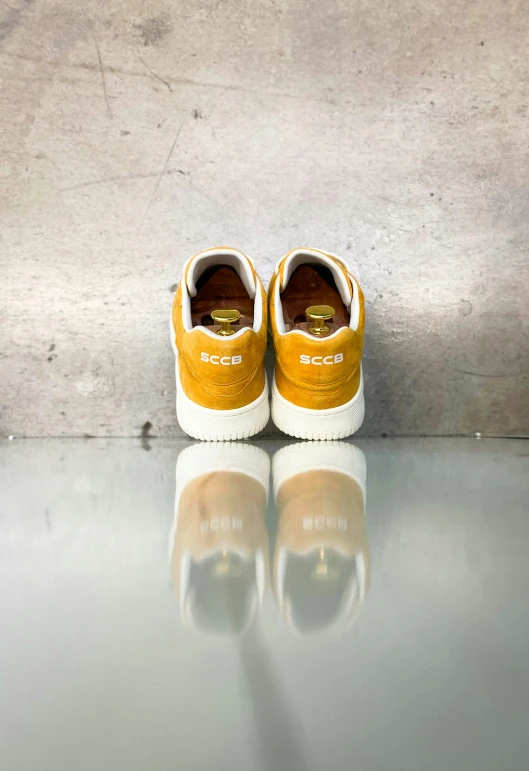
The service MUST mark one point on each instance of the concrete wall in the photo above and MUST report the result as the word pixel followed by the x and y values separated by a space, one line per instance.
pixel 133 134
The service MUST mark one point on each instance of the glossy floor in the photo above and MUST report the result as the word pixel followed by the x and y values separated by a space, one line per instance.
pixel 271 605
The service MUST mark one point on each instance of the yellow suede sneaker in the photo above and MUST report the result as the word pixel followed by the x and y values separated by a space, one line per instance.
pixel 321 565
pixel 218 332
pixel 317 320
pixel 218 547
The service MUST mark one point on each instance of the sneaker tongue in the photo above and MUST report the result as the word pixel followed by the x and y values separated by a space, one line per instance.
pixel 312 257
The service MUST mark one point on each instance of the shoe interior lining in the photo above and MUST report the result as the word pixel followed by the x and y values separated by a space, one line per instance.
pixel 312 285
pixel 220 287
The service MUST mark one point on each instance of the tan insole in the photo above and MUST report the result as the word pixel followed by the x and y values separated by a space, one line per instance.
pixel 312 285
pixel 219 288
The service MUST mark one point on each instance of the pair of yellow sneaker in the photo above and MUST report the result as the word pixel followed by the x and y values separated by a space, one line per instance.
pixel 219 321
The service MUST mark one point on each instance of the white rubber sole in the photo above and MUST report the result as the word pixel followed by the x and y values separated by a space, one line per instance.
pixel 304 423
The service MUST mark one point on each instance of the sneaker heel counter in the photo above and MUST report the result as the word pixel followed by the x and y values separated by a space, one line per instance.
pixel 222 374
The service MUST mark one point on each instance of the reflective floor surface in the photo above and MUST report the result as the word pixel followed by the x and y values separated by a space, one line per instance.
pixel 270 605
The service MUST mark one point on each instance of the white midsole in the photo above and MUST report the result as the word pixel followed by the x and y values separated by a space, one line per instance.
pixel 306 423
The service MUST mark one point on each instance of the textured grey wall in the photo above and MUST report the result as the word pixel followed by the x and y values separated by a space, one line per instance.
pixel 134 134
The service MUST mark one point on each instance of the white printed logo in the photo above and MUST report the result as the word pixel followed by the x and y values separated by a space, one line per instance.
pixel 226 361
pixel 221 523
pixel 322 523
pixel 319 360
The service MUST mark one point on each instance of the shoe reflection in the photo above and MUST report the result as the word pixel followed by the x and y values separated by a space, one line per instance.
pixel 321 560
pixel 219 544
